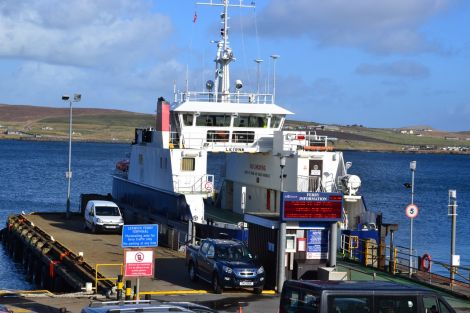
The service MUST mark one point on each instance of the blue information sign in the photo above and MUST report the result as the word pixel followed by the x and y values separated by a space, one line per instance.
pixel 317 244
pixel 140 236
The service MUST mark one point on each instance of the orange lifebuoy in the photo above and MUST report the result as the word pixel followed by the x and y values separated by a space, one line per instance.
pixel 426 262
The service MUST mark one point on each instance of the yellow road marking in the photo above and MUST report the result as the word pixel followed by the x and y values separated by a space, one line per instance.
pixel 173 292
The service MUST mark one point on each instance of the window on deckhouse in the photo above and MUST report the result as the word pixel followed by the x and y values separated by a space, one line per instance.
pixel 188 164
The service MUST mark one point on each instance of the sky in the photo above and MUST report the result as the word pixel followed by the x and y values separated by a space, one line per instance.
pixel 387 63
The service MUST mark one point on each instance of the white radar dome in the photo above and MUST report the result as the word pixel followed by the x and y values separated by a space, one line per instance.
pixel 351 184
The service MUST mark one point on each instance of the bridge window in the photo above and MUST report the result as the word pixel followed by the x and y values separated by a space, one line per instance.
pixel 188 119
pixel 276 121
pixel 220 120
pixel 243 137
pixel 250 121
pixel 188 164
pixel 218 136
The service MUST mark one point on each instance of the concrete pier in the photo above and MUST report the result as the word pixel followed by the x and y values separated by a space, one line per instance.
pixel 100 248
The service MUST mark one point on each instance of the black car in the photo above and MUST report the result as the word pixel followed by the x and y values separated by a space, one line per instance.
pixel 359 296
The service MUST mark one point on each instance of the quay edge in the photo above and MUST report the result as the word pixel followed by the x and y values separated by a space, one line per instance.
pixel 48 264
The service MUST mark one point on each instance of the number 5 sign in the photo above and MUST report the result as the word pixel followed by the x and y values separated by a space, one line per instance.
pixel 411 211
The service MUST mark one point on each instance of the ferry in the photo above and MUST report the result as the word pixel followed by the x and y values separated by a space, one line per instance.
pixel 166 178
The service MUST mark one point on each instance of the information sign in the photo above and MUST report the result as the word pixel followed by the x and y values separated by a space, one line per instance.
pixel 317 244
pixel 140 236
pixel 311 206
pixel 138 263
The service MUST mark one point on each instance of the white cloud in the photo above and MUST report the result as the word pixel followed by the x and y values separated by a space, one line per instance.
pixel 81 32
pixel 386 26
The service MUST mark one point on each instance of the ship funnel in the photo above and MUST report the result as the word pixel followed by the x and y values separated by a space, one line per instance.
pixel 163 121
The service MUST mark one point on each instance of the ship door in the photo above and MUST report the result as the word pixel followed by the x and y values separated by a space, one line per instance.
pixel 271 200
pixel 315 172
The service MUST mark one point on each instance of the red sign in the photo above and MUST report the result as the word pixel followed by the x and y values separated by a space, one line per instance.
pixel 312 210
pixel 311 206
pixel 138 263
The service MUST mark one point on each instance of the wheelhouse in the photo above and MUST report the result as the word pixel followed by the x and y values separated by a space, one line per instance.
pixel 226 126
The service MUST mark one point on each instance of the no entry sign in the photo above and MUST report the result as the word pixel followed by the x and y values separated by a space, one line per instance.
pixel 138 263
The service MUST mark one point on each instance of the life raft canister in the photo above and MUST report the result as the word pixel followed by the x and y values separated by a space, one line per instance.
pixel 426 262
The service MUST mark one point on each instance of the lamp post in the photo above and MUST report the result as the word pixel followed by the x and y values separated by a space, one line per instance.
pixel 413 169
pixel 454 261
pixel 258 61
pixel 281 266
pixel 76 98
pixel 274 57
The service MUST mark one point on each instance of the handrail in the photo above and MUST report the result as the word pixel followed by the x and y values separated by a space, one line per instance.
pixel 238 97
pixel 202 184
pixel 366 252
pixel 315 184
pixel 106 278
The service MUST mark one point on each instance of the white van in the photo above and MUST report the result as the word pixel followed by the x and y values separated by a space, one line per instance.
pixel 103 216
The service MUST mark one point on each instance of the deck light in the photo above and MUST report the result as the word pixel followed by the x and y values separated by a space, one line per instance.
pixel 76 98
pixel 274 57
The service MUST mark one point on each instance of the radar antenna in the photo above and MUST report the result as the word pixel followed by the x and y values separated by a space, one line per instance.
pixel 224 52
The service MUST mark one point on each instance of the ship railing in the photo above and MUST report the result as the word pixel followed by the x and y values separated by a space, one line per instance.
pixel 316 184
pixel 234 97
pixel 396 260
pixel 308 141
pixel 187 184
pixel 221 139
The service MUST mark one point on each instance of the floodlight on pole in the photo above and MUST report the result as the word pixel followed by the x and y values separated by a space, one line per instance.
pixel 274 57
pixel 76 98
pixel 258 62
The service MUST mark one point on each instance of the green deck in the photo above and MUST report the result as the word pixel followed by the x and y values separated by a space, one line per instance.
pixel 459 299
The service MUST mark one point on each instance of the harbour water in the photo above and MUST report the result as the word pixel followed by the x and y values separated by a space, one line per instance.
pixel 32 178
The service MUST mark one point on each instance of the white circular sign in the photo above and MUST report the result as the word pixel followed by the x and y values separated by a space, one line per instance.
pixel 411 211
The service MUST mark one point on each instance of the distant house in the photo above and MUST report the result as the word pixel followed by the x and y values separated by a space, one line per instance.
pixel 13 132
pixel 451 138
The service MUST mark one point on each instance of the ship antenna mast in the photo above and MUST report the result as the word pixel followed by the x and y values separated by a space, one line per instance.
pixel 224 52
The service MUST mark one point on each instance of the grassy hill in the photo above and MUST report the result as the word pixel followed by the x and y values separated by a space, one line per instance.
pixel 88 124
pixel 46 123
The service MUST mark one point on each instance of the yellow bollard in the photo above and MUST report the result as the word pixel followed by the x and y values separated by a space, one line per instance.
pixel 128 290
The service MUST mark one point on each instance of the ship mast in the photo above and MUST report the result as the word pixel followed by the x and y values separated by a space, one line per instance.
pixel 224 52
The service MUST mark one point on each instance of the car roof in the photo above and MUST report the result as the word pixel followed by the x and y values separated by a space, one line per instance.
pixel 192 306
pixel 225 241
pixel 131 306
pixel 347 285
pixel 103 203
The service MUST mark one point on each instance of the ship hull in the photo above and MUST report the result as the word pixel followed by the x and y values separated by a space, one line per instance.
pixel 150 204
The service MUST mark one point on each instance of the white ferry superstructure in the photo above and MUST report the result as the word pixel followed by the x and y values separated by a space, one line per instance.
pixel 167 179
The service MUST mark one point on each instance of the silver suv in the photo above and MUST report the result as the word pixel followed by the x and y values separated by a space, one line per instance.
pixel 147 306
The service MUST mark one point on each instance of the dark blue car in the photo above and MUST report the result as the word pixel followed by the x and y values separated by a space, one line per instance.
pixel 225 264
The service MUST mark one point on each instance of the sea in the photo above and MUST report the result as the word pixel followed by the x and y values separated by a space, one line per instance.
pixel 32 179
